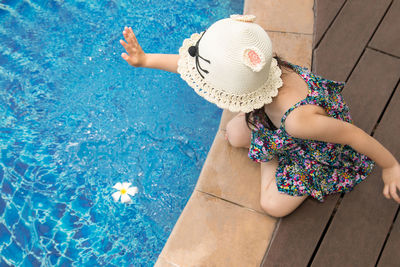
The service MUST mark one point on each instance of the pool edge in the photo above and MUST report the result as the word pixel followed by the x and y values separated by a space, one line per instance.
pixel 211 229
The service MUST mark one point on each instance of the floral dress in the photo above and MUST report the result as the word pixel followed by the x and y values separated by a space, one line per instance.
pixel 311 167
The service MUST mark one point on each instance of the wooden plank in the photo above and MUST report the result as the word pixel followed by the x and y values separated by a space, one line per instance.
pixel 346 39
pixel 299 232
pixel 390 255
pixel 371 78
pixel 387 37
pixel 325 11
pixel 359 228
pixel 305 226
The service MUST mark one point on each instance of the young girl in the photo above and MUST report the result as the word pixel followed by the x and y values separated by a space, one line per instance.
pixel 302 135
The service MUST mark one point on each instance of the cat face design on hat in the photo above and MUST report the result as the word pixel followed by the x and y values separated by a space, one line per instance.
pixel 230 64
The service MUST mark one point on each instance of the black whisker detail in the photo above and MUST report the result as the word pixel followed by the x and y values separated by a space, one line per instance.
pixel 194 52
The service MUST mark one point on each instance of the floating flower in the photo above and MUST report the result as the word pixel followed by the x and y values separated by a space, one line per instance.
pixel 124 192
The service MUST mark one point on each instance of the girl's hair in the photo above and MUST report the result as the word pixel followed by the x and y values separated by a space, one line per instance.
pixel 259 114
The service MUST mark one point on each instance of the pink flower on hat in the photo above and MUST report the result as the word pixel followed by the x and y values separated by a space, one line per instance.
pixel 253 58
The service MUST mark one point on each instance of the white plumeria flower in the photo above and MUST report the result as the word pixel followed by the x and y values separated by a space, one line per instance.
pixel 123 192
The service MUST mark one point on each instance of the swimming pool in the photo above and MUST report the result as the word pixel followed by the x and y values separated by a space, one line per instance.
pixel 76 119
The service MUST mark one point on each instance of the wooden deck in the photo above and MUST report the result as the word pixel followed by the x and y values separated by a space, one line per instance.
pixel 356 41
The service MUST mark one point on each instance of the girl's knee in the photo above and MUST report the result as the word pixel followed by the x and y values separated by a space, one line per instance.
pixel 236 139
pixel 272 208
pixel 280 207
pixel 237 132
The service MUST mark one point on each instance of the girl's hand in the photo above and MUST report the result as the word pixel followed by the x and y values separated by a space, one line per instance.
pixel 136 56
pixel 391 179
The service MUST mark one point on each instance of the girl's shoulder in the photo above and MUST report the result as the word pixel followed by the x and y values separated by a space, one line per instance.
pixel 296 92
pixel 303 112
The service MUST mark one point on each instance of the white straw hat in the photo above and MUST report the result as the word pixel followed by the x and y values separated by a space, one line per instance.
pixel 231 64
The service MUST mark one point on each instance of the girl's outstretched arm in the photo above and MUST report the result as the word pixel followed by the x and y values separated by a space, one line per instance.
pixel 136 57
pixel 313 126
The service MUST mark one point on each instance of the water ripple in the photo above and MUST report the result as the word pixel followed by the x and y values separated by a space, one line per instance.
pixel 76 119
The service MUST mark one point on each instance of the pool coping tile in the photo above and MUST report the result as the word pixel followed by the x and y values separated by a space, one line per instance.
pixel 233 175
pixel 284 15
pixel 217 232
pixel 223 217
pixel 293 47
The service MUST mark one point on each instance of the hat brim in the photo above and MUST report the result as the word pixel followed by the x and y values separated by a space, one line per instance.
pixel 233 102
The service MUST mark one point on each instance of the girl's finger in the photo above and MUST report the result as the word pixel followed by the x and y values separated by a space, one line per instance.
pixel 132 39
pixel 127 47
pixel 125 56
pixel 386 191
pixel 126 35
pixel 133 35
pixel 393 192
pixel 123 43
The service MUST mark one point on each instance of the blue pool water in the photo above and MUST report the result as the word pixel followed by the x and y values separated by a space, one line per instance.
pixel 75 119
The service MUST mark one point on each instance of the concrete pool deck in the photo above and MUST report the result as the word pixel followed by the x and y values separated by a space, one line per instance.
pixel 223 223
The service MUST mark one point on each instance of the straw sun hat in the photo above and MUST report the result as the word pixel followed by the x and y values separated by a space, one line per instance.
pixel 230 64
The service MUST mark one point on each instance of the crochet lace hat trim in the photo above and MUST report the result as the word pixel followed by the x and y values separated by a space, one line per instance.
pixel 235 103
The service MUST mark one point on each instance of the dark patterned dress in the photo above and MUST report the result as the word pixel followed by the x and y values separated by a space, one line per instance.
pixel 311 167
